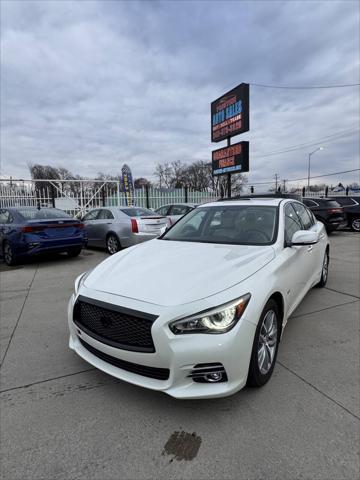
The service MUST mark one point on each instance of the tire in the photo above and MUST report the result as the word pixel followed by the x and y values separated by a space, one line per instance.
pixel 112 244
pixel 324 271
pixel 355 224
pixel 267 337
pixel 8 254
pixel 74 252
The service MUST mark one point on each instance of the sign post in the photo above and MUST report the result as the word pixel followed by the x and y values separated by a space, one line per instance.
pixel 230 117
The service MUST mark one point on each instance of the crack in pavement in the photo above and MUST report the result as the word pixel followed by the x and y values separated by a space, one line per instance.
pixel 318 390
pixel 21 311
pixel 322 309
pixel 47 380
pixel 342 293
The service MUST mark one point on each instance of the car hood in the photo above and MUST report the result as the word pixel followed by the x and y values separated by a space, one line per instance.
pixel 174 273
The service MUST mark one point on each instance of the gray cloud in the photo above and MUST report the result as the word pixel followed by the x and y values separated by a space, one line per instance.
pixel 91 85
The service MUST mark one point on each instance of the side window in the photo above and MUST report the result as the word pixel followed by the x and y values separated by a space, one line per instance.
pixel 5 217
pixel 292 222
pixel 302 212
pixel 91 215
pixel 310 203
pixel 163 210
pixel 105 215
pixel 179 210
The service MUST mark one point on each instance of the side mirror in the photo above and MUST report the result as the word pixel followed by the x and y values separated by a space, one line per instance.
pixel 304 237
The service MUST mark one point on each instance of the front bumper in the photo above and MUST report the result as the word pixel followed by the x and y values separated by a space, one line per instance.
pixel 179 354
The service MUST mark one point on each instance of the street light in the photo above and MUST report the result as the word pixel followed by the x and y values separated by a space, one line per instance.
pixel 312 153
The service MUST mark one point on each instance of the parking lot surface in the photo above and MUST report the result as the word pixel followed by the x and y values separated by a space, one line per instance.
pixel 62 419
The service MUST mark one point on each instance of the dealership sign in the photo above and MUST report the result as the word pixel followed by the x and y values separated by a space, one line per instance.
pixel 232 159
pixel 230 113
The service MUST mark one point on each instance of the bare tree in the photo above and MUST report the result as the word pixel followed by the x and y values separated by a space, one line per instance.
pixel 198 176
pixel 163 173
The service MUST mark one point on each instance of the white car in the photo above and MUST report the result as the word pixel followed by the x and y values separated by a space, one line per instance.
pixel 199 312
pixel 175 211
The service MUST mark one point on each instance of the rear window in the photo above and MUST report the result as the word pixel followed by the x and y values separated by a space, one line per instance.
pixel 42 214
pixel 138 212
pixel 345 202
pixel 330 203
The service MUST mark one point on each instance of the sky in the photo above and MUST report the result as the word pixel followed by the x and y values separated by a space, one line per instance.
pixel 91 85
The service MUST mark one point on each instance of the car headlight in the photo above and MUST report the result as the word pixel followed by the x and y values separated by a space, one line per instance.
pixel 80 280
pixel 217 320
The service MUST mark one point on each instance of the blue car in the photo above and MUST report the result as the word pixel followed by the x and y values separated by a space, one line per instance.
pixel 28 231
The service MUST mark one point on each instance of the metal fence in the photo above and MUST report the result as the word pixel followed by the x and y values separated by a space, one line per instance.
pixel 78 197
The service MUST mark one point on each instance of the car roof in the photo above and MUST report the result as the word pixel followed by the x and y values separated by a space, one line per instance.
pixel 20 207
pixel 248 201
pixel 316 199
pixel 182 204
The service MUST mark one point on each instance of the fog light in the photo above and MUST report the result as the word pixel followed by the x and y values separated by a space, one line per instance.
pixel 208 373
pixel 214 377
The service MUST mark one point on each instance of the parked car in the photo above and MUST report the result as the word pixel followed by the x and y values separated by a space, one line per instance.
pixel 175 211
pixel 119 227
pixel 351 206
pixel 28 231
pixel 327 211
pixel 199 312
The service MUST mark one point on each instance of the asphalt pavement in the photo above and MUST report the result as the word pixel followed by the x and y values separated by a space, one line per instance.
pixel 63 419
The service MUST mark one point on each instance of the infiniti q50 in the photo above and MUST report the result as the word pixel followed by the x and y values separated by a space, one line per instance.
pixel 199 312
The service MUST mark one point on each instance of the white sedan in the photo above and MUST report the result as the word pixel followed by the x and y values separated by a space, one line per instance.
pixel 199 312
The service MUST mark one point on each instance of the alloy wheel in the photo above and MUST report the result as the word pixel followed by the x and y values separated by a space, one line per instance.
pixel 355 224
pixel 267 342
pixel 8 254
pixel 112 244
pixel 325 269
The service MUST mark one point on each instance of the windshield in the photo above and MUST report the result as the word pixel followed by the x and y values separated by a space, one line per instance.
pixel 234 224
pixel 42 214
pixel 137 212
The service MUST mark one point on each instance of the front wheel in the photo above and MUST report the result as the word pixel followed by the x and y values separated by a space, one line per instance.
pixel 8 253
pixel 265 347
pixel 112 244
pixel 74 252
pixel 324 271
pixel 355 224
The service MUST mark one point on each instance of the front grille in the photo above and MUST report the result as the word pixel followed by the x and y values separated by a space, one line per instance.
pixel 116 326
pixel 145 371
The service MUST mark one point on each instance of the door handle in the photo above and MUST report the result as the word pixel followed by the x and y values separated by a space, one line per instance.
pixel 310 248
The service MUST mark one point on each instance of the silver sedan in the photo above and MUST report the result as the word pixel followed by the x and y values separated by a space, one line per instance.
pixel 119 227
pixel 175 211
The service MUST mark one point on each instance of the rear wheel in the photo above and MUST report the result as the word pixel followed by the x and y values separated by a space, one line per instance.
pixel 8 253
pixel 112 244
pixel 265 347
pixel 324 271
pixel 74 252
pixel 355 224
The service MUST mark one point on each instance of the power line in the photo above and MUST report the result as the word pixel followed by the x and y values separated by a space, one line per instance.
pixel 328 138
pixel 306 87
pixel 305 178
pixel 326 175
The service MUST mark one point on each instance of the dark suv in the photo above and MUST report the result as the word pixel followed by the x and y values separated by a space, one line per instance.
pixel 328 211
pixel 351 206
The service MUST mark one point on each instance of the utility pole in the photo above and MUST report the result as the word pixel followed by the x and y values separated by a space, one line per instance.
pixel 276 181
pixel 284 181
pixel 229 174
